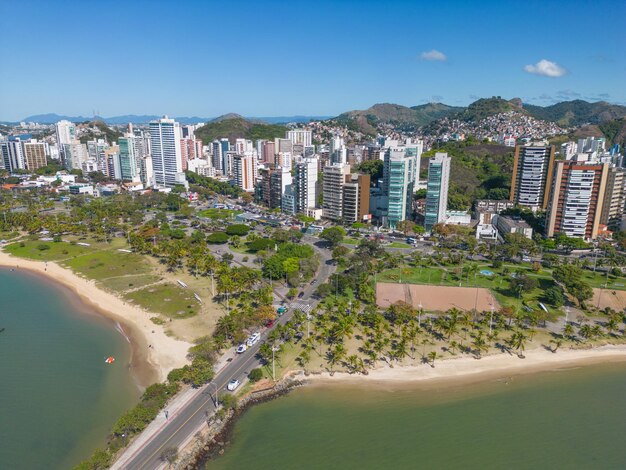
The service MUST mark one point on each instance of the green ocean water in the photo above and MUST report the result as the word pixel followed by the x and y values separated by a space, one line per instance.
pixel 566 419
pixel 58 398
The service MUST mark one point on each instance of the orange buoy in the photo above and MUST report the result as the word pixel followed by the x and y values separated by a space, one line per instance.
pixel 110 360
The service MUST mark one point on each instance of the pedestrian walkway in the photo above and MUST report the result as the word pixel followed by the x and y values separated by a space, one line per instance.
pixel 304 306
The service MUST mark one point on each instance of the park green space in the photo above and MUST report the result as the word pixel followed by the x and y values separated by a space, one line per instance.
pixel 167 299
pixel 218 214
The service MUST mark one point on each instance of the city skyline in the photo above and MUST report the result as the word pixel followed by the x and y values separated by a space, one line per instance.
pixel 269 60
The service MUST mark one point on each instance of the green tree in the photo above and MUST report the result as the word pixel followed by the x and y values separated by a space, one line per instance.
pixel 333 235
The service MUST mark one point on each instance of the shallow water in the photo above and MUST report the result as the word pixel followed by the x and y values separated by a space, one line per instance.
pixel 565 419
pixel 58 398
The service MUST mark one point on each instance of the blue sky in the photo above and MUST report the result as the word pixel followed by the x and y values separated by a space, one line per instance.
pixel 271 58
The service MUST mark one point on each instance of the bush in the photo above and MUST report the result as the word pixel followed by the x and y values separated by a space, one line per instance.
pixel 255 375
pixel 496 264
pixel 237 229
pixel 43 247
pixel 217 238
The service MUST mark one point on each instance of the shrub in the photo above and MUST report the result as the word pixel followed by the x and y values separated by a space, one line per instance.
pixel 217 238
pixel 43 247
pixel 237 229
pixel 255 375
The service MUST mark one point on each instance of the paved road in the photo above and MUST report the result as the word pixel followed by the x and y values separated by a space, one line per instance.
pixel 192 416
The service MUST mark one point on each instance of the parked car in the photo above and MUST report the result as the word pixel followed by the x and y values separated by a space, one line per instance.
pixel 232 385
pixel 300 295
pixel 242 348
pixel 253 339
pixel 269 323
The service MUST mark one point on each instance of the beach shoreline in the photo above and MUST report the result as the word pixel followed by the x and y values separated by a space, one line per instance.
pixel 467 370
pixel 153 353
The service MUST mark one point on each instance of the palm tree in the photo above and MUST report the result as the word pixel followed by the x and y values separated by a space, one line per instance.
pixel 431 357
pixel 557 344
pixel 568 331
pixel 518 341
pixel 303 359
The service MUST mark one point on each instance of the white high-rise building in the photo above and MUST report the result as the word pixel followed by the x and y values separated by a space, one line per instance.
pixel 244 171
pixel 302 137
pixel 334 180
pixel 305 183
pixel 167 161
pixel 65 134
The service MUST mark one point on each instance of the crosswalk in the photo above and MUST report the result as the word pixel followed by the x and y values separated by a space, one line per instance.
pixel 305 307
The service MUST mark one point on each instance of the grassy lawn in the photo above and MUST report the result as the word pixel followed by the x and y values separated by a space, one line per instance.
pixel 350 241
pixel 8 235
pixel 167 299
pixel 55 251
pixel 124 283
pixel 105 264
pixel 219 214
pixel 398 245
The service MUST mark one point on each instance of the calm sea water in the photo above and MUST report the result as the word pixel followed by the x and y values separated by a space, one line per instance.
pixel 58 398
pixel 569 419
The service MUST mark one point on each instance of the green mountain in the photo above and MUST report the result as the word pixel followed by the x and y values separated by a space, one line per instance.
pixel 103 132
pixel 486 107
pixel 615 131
pixel 577 112
pixel 233 126
pixel 401 117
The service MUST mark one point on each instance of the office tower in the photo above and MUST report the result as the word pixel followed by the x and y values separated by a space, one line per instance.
pixel 356 199
pixel 398 183
pixel 437 189
pixel 576 199
pixel 128 160
pixel 533 166
pixel 614 198
pixel 415 149
pixel 303 137
pixel 332 187
pixel 305 183
pixel 166 154
pixel 34 154
pixel 268 151
pixel 244 171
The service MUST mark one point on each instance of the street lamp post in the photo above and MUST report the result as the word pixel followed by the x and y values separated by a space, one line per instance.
pixel 216 398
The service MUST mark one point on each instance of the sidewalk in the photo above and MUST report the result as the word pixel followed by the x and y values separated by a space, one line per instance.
pixel 178 402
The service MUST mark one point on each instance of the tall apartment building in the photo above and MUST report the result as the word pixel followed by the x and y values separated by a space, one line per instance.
pixel 334 179
pixel 280 179
pixel 302 137
pixel 614 199
pixel 12 155
pixel 244 171
pixel 167 162
pixel 65 135
pixel 74 155
pixel 190 149
pixel 356 199
pixel 533 166
pixel 304 184
pixel 576 199
pixel 437 189
pixel 283 145
pixel 112 159
pixel 34 154
pixel 268 151
pixel 216 155
pixel 399 170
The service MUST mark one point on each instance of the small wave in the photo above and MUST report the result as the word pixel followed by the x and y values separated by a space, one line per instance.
pixel 119 328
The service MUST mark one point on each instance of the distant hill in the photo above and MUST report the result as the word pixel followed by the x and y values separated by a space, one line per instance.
pixel 486 107
pixel 577 112
pixel 234 126
pixel 397 115
pixel 104 131
pixel 615 131
pixel 52 118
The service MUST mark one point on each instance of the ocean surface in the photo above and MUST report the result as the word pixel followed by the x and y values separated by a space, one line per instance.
pixel 58 398
pixel 566 419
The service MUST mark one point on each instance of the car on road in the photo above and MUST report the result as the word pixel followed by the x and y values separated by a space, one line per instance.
pixel 242 348
pixel 300 295
pixel 269 323
pixel 253 339
pixel 281 310
pixel 232 385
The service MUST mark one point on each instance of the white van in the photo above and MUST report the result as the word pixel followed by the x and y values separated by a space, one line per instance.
pixel 253 339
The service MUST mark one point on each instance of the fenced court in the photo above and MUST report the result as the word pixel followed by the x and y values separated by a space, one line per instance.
pixel 435 298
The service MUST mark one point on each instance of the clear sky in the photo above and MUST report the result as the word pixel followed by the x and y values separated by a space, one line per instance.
pixel 277 58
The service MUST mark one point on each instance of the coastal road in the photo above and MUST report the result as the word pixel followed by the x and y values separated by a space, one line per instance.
pixel 194 414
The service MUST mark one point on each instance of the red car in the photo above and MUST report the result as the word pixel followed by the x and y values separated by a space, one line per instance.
pixel 269 323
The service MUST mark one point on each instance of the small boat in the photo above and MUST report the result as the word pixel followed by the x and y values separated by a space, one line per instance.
pixel 2 329
pixel 110 360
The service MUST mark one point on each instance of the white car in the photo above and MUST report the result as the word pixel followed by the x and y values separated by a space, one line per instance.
pixel 242 348
pixel 253 339
pixel 232 385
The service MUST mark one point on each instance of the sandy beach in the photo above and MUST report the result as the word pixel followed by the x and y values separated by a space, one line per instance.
pixel 468 369
pixel 149 364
